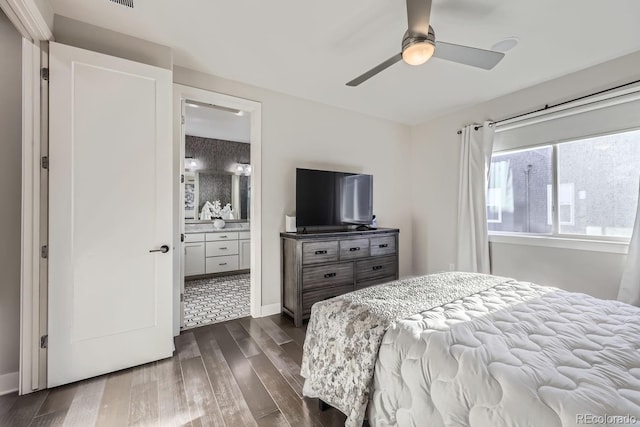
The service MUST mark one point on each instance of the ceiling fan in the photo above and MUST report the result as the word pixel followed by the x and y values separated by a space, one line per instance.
pixel 419 45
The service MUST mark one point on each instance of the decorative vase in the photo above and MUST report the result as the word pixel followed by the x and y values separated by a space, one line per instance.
pixel 218 224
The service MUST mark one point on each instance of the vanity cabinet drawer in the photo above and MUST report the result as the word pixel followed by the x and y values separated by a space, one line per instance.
pixel 220 248
pixel 354 248
pixel 244 235
pixel 376 267
pixel 220 264
pixel 327 275
pixel 321 294
pixel 211 237
pixel 317 252
pixel 193 237
pixel 383 245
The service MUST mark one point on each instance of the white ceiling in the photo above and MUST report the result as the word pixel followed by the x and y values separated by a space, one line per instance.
pixel 209 122
pixel 311 49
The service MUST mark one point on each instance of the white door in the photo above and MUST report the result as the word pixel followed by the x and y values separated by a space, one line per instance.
pixel 110 297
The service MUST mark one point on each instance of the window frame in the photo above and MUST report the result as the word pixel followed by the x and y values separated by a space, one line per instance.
pixel 611 244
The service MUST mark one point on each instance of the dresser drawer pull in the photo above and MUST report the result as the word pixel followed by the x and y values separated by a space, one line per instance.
pixel 377 267
pixel 326 276
pixel 223 237
pixel 223 263
pixel 223 249
pixel 384 245
pixel 354 249
pixel 321 252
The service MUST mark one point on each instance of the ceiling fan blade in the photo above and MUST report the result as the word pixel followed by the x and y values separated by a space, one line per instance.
pixel 481 58
pixel 375 70
pixel 418 12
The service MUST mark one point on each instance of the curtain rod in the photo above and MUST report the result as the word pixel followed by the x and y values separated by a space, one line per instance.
pixel 547 106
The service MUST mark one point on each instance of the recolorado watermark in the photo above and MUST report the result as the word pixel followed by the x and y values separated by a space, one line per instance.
pixel 606 419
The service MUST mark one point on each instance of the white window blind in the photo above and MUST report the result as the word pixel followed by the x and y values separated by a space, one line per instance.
pixel 602 115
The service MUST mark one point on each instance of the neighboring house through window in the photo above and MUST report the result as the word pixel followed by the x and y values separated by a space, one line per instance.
pixel 592 181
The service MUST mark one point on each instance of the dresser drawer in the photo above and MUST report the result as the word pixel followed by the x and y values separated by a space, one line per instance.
pixel 193 237
pixel 354 248
pixel 366 283
pixel 383 245
pixel 376 267
pixel 311 297
pixel 220 248
pixel 219 264
pixel 211 237
pixel 244 235
pixel 317 252
pixel 327 275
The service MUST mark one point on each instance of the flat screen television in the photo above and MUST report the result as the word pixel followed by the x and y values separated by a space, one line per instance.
pixel 325 198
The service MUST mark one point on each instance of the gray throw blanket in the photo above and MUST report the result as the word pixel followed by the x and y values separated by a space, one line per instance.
pixel 344 333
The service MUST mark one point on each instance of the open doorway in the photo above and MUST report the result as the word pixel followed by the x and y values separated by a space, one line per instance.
pixel 217 200
pixel 218 204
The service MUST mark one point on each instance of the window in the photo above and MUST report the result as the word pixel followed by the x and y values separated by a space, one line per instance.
pixel 594 185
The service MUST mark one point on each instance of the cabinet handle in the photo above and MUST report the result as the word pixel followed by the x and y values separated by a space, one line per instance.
pixel 223 249
pixel 223 237
pixel 377 267
pixel 326 276
pixel 223 263
pixel 384 245
pixel 321 252
pixel 354 249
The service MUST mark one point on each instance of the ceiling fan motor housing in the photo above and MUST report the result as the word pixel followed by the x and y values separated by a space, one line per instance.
pixel 411 39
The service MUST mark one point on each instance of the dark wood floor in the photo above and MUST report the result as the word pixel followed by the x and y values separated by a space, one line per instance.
pixel 244 372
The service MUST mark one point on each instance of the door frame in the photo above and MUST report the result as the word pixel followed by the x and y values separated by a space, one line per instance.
pixel 35 26
pixel 181 93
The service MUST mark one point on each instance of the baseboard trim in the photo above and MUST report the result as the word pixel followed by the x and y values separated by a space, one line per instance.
pixel 271 309
pixel 9 383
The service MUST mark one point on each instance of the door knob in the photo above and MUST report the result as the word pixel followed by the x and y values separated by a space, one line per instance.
pixel 164 249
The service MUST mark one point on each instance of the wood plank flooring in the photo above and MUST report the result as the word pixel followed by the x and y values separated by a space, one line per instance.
pixel 244 372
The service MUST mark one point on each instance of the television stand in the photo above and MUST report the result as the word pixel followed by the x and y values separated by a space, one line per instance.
pixel 364 228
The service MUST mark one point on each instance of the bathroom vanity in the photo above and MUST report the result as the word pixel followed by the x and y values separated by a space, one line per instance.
pixel 212 251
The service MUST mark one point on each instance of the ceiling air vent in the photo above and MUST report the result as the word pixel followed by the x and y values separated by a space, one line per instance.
pixel 128 3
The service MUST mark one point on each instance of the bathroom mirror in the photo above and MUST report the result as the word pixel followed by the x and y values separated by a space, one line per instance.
pixel 209 186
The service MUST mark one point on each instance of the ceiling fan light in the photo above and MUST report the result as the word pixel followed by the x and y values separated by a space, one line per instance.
pixel 418 53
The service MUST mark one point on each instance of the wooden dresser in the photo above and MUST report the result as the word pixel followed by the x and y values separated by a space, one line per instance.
pixel 317 266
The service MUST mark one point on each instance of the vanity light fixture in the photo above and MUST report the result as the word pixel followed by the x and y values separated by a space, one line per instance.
pixel 243 169
pixel 190 163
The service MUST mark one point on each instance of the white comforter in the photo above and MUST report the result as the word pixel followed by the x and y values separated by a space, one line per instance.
pixel 514 355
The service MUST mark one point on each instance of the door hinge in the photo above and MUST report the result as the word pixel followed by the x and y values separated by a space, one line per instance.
pixel 182 179
pixel 182 237
pixel 44 251
pixel 44 341
pixel 182 119
pixel 44 73
pixel 45 162
pixel 181 297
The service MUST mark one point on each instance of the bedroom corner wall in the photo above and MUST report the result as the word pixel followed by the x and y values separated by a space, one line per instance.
pixel 10 221
pixel 435 150
pixel 301 133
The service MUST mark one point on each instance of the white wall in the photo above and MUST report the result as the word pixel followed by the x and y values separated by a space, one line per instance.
pixel 87 36
pixel 10 191
pixel 300 133
pixel 435 151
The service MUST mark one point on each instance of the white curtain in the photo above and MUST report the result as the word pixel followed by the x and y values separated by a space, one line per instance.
pixel 630 284
pixel 475 159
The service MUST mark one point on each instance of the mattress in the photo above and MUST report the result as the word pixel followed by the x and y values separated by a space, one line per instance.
pixel 517 354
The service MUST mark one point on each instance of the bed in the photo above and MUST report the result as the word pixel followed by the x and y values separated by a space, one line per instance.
pixel 478 350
